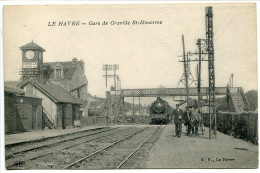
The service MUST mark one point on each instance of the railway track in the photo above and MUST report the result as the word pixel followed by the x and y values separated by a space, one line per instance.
pixel 139 146
pixel 54 142
pixel 27 153
pixel 97 152
pixel 125 148
pixel 57 151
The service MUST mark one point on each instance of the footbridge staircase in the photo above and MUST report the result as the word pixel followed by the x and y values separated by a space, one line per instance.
pixel 114 108
pixel 237 99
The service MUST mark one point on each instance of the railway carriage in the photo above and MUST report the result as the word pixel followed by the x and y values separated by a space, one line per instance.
pixel 160 112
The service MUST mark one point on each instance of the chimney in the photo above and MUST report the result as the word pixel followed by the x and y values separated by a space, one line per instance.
pixel 74 60
pixel 82 65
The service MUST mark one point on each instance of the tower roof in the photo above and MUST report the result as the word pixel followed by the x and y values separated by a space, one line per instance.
pixel 32 46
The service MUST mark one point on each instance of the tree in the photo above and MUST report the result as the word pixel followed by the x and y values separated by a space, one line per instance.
pixel 252 97
pixel 222 105
pixel 46 71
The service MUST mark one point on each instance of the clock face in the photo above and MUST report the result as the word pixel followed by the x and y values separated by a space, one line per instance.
pixel 29 54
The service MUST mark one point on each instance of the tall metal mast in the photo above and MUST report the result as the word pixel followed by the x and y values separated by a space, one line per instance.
pixel 185 71
pixel 211 69
pixel 199 75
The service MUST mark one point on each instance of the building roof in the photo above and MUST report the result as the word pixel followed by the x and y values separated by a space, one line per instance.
pixel 59 93
pixel 28 94
pixel 13 90
pixel 68 67
pixel 32 46
pixel 55 92
pixel 12 86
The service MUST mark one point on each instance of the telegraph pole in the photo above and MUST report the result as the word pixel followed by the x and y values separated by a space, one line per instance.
pixel 115 78
pixel 231 80
pixel 185 71
pixel 118 83
pixel 105 68
pixel 211 69
pixel 187 76
pixel 199 75
pixel 139 107
pixel 133 108
pixel 111 67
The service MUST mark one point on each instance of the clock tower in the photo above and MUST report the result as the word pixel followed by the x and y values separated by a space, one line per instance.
pixel 32 60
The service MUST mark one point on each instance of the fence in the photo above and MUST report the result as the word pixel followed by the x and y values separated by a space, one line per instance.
pixel 240 125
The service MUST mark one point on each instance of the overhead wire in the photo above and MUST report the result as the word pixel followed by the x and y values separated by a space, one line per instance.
pixel 223 33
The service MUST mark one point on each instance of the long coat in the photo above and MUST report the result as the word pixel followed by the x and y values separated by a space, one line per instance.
pixel 186 117
pixel 178 115
pixel 195 118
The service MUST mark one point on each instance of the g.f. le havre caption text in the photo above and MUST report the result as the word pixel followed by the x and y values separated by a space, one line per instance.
pixel 104 23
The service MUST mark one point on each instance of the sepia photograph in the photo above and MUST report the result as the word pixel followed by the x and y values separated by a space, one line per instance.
pixel 130 86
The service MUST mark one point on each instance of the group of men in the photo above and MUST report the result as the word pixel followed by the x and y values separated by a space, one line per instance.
pixel 191 119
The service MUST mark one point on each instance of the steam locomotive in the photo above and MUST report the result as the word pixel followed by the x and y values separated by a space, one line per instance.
pixel 160 112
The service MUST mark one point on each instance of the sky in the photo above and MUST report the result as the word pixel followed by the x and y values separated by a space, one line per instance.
pixel 148 55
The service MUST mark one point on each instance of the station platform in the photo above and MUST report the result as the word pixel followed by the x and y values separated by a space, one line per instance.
pixel 201 152
pixel 18 138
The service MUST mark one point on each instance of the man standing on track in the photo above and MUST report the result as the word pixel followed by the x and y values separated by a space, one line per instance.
pixel 178 121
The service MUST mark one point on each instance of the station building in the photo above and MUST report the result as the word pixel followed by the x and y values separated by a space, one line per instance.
pixel 59 108
pixel 59 89
pixel 68 74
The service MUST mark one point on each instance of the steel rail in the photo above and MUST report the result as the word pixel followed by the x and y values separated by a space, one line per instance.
pixel 8 165
pixel 130 155
pixel 96 152
pixel 8 146
pixel 65 140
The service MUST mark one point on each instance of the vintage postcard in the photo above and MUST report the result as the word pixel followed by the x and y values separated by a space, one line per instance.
pixel 130 86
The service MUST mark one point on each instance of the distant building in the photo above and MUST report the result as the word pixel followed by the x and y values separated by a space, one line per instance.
pixel 23 110
pixel 96 105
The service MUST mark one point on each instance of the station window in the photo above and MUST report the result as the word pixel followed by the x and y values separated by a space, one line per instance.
pixel 58 73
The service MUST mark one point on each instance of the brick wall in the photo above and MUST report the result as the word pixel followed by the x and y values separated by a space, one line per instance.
pixel 13 123
pixel 30 111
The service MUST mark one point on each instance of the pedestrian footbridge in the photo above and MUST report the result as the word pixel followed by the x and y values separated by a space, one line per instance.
pixel 114 102
pixel 156 92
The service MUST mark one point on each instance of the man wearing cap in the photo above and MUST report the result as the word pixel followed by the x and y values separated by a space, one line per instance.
pixel 191 122
pixel 198 120
pixel 178 121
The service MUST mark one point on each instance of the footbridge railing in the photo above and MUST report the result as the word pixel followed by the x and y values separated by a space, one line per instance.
pixel 154 92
